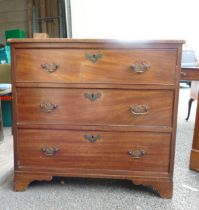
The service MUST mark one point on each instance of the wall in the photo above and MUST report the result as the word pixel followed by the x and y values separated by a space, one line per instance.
pixel 13 14
pixel 136 19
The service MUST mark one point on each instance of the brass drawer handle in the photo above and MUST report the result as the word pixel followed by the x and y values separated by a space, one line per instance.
pixel 93 57
pixel 92 138
pixel 139 109
pixel 50 68
pixel 49 151
pixel 140 67
pixel 136 154
pixel 92 96
pixel 48 107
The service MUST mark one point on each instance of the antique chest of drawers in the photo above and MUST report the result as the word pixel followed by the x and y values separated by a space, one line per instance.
pixel 95 108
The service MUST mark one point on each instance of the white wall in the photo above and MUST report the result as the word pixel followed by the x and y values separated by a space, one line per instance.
pixel 136 19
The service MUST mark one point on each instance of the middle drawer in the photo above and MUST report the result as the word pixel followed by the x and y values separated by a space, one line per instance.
pixel 95 106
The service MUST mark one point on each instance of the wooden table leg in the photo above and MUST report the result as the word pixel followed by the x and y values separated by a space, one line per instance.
pixel 1 124
pixel 194 159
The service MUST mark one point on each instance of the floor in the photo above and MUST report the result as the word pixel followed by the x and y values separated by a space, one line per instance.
pixel 100 194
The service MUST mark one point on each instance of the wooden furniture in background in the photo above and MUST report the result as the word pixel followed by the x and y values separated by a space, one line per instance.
pixel 47 16
pixel 193 74
pixel 40 35
pixel 1 124
pixel 95 108
pixel 193 96
pixel 194 158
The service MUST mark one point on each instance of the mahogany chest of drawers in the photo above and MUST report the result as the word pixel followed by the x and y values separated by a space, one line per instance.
pixel 95 108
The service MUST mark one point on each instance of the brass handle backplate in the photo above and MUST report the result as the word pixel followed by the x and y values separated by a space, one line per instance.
pixel 139 109
pixel 48 107
pixel 93 57
pixel 92 96
pixel 92 138
pixel 140 67
pixel 50 68
pixel 49 151
pixel 136 154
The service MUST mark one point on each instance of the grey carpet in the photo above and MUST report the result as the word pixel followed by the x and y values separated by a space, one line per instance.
pixel 100 194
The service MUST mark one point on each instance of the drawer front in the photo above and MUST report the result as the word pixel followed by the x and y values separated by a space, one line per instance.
pixel 96 66
pixel 62 149
pixel 95 106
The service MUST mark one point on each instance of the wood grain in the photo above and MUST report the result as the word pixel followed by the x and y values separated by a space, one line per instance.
pixel 109 152
pixel 55 121
pixel 194 158
pixel 189 73
pixel 21 181
pixel 113 107
pixel 116 42
pixel 1 124
pixel 113 67
pixel 163 188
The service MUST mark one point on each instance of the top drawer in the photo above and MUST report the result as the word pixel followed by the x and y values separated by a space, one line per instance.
pixel 115 66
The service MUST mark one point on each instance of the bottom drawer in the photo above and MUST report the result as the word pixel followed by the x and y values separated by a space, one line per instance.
pixel 131 151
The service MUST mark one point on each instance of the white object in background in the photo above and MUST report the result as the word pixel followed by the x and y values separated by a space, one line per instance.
pixel 194 90
pixel 4 86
